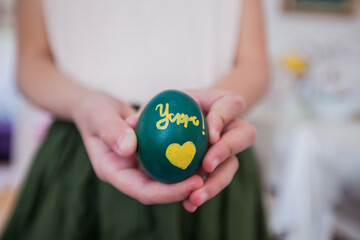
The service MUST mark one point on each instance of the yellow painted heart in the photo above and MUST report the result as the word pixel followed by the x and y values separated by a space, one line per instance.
pixel 181 156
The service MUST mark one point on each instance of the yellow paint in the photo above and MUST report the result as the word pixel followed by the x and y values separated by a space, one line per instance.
pixel 203 123
pixel 179 118
pixel 181 156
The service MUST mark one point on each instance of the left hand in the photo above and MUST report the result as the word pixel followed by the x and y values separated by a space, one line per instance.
pixel 228 135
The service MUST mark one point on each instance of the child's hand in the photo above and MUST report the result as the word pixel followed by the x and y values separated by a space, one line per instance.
pixel 111 143
pixel 229 135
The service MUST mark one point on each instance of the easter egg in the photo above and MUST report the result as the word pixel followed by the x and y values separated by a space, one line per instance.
pixel 172 137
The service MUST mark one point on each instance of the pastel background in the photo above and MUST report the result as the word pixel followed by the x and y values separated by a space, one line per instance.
pixel 308 124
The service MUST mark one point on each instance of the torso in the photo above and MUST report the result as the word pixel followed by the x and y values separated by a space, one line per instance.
pixel 134 49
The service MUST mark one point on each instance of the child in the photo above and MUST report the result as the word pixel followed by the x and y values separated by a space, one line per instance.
pixel 89 63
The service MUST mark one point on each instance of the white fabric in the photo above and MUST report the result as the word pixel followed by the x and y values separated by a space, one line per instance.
pixel 308 162
pixel 133 49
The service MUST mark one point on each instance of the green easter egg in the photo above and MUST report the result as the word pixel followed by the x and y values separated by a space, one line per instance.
pixel 172 137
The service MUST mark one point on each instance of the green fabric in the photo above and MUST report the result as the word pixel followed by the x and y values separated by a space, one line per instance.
pixel 63 199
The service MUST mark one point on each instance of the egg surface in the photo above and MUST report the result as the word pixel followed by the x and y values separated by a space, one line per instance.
pixel 172 137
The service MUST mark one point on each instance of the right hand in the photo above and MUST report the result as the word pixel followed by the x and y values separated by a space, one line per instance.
pixel 111 144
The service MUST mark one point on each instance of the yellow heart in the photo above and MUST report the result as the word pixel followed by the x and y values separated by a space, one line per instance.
pixel 181 156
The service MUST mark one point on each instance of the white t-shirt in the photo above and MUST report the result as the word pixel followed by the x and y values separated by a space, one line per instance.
pixel 133 49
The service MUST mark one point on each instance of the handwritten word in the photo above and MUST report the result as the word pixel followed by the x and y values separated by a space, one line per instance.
pixel 170 117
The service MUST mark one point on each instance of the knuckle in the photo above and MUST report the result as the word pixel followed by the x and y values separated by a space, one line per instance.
pixel 227 149
pixel 216 121
pixel 238 101
pixel 222 121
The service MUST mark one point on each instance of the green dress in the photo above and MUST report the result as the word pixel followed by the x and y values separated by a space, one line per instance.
pixel 63 199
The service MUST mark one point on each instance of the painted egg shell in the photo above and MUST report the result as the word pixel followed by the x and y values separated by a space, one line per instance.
pixel 172 137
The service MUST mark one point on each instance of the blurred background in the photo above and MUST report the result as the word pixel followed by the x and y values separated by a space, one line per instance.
pixel 308 125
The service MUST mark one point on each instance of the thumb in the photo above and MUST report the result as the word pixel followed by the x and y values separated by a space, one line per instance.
pixel 118 135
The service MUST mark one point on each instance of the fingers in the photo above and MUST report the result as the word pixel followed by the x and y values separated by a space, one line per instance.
pixel 239 135
pixel 104 160
pixel 206 98
pixel 221 107
pixel 138 185
pixel 125 175
pixel 222 112
pixel 214 184
pixel 102 116
pixel 167 193
pixel 189 206
pixel 220 159
pixel 117 134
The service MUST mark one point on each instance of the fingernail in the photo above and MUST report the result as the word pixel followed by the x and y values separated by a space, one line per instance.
pixel 125 142
pixel 204 196
pixel 215 163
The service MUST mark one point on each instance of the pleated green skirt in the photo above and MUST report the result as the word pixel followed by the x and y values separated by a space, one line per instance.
pixel 63 199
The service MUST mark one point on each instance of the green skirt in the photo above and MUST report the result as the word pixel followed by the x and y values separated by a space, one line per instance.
pixel 63 199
